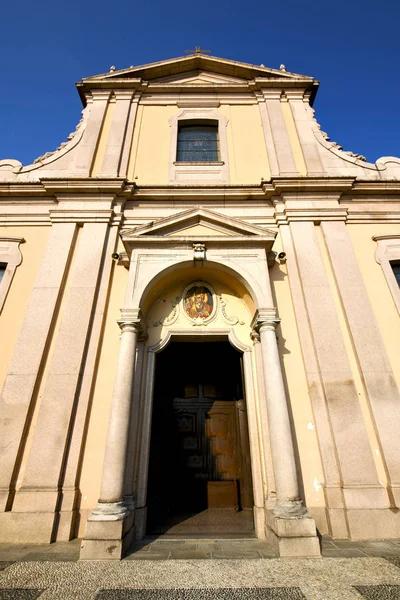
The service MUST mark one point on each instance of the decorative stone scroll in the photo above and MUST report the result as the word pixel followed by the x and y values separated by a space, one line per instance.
pixel 229 320
pixel 171 317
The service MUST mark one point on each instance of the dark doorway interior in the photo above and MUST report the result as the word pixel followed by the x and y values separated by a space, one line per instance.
pixel 199 473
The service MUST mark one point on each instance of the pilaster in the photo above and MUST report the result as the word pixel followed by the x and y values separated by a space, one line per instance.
pixel 298 103
pixel 18 397
pixel 116 136
pixel 40 490
pixel 277 125
pixel 85 152
pixel 374 364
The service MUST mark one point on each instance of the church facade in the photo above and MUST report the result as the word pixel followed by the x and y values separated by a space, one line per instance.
pixel 199 316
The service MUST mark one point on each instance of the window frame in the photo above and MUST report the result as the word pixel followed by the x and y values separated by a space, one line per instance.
pixel 388 252
pixel 203 171
pixel 11 257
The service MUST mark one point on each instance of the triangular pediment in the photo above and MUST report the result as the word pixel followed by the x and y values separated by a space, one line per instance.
pixel 198 224
pixel 212 65
pixel 200 77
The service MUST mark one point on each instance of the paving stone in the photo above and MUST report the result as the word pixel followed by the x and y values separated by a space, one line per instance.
pixel 378 552
pixel 170 542
pixel 387 545
pixel 148 556
pixel 267 554
pixel 231 553
pixel 192 554
pixel 204 594
pixel 344 553
pixel 19 594
pixel 347 544
pixel 379 592
pixel 395 560
pixel 53 557
pixel 5 563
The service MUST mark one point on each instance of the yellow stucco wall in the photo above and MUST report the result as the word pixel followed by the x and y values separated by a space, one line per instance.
pixel 149 157
pixel 150 152
pixel 248 159
pixel 14 308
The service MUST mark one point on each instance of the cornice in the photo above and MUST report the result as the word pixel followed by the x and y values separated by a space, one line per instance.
pixel 392 236
pixel 376 187
pixel 187 241
pixel 216 192
pixel 295 198
pixel 311 214
pixel 310 184
pixel 83 185
pixel 81 216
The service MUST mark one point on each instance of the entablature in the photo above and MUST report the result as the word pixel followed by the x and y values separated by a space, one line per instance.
pixel 277 201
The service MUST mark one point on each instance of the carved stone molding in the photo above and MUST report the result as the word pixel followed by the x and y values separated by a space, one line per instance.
pixel 388 251
pixel 11 257
pixel 171 317
pixel 229 320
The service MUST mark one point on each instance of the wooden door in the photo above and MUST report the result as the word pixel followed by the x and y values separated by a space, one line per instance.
pixel 208 448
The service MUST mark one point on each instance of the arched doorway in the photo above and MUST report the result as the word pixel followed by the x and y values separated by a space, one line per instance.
pixel 199 469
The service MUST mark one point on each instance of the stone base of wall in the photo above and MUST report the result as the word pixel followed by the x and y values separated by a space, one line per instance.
pixel 107 540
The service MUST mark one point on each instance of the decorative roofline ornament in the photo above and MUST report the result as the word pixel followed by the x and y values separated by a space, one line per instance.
pixel 197 51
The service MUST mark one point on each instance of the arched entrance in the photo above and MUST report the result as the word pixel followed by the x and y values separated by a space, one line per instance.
pixel 199 373
pixel 198 251
pixel 199 468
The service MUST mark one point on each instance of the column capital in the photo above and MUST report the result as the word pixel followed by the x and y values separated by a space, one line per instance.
pixel 123 94
pixel 130 320
pixel 269 325
pixel 264 319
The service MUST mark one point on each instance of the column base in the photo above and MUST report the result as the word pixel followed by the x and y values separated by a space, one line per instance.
pixel 293 537
pixel 107 540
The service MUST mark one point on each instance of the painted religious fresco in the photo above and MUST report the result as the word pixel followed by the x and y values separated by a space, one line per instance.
pixel 199 302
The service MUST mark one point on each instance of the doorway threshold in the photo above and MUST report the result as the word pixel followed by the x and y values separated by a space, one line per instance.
pixel 168 547
pixel 211 523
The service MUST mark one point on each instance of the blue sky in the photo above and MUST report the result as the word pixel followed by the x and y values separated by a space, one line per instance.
pixel 351 47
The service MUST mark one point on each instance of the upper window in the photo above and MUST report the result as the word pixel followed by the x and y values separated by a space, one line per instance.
pixel 198 151
pixel 198 142
pixel 396 271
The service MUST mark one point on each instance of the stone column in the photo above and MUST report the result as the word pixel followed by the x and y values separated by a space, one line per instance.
pixel 111 505
pixel 287 490
pixel 291 530
pixel 109 528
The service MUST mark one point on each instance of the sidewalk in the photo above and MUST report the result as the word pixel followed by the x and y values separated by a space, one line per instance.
pixel 174 569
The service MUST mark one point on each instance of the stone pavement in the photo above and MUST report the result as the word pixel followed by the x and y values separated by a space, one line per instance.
pixel 181 569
